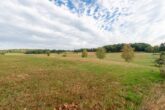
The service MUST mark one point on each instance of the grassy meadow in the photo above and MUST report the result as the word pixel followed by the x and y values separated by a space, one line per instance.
pixel 39 82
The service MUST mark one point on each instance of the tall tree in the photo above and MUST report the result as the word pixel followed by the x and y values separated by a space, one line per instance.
pixel 149 49
pixel 162 47
pixel 156 49
pixel 162 64
pixel 127 52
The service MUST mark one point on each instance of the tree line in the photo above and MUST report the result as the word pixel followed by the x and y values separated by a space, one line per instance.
pixel 138 47
pixel 32 51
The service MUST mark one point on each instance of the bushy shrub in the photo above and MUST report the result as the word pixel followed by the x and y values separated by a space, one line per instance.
pixel 2 53
pixel 161 60
pixel 101 53
pixel 84 53
pixel 64 54
pixel 127 52
pixel 48 53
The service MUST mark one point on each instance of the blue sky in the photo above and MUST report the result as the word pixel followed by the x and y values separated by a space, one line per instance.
pixel 72 24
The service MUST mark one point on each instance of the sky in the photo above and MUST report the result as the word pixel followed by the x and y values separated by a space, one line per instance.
pixel 73 24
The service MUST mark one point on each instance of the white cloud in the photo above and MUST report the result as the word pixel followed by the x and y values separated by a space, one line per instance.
pixel 146 23
pixel 41 24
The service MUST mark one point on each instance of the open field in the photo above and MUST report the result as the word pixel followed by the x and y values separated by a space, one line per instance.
pixel 39 82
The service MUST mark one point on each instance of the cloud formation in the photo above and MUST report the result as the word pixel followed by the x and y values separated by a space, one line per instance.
pixel 44 24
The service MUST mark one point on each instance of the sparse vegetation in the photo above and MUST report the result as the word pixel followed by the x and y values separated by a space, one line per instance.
pixel 101 53
pixel 127 52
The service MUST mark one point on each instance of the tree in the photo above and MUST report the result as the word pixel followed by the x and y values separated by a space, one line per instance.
pixel 64 54
pixel 48 53
pixel 161 60
pixel 101 53
pixel 149 49
pixel 162 47
pixel 162 71
pixel 140 46
pixel 84 53
pixel 156 49
pixel 113 48
pixel 127 52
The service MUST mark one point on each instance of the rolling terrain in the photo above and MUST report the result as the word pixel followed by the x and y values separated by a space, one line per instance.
pixel 45 83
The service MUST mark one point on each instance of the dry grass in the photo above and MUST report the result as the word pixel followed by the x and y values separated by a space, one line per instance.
pixel 156 101
pixel 38 82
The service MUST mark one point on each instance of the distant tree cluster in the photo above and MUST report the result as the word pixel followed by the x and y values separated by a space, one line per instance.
pixel 114 48
pixel 3 52
pixel 16 50
pixel 37 51
pixel 138 47
pixel 43 51
pixel 89 50
pixel 142 47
